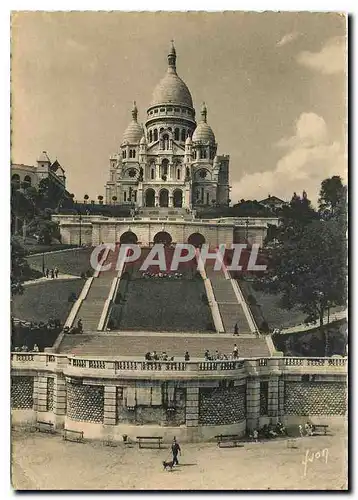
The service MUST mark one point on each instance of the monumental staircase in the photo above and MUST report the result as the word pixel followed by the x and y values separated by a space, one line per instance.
pixel 230 308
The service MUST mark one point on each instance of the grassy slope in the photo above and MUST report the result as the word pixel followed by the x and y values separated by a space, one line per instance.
pixel 47 299
pixel 73 262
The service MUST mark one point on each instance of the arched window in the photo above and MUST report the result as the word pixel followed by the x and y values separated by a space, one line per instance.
pixel 183 134
pixel 133 153
pixel 155 135
pixel 152 172
pixel 150 136
pixel 15 180
pixel 130 153
pixel 27 180
pixel 176 134
pixel 170 129
pixel 161 129
pixel 124 153
pixel 178 174
pixel 165 164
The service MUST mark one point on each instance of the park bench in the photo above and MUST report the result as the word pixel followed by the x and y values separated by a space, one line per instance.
pixel 231 440
pixel 320 428
pixel 74 436
pixel 150 440
pixel 45 426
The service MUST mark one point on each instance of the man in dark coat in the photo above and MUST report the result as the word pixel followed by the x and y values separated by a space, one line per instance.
pixel 175 450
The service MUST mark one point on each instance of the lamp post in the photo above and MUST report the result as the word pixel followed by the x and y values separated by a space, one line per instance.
pixel 80 235
pixel 247 222
pixel 43 262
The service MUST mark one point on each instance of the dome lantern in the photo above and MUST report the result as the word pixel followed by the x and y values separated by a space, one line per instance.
pixel 203 132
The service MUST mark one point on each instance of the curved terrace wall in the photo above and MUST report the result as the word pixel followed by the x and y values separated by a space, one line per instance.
pixel 191 400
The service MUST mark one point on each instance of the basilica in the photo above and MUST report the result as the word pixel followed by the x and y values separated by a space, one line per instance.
pixel 171 160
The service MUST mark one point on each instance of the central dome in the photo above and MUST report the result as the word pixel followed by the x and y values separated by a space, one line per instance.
pixel 171 89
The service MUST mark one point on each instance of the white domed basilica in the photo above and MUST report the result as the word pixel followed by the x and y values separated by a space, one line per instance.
pixel 171 161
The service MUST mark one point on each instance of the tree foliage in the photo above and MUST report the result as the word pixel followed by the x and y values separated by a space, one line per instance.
pixel 306 257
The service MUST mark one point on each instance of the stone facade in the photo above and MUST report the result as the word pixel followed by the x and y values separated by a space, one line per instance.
pixel 315 398
pixel 223 405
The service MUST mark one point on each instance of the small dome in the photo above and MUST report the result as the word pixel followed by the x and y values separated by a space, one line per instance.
pixel 143 141
pixel 188 140
pixel 134 131
pixel 203 131
pixel 44 157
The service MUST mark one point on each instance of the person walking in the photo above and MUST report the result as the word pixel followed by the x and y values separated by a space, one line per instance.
pixel 187 356
pixel 175 450
pixel 80 326
pixel 235 352
pixel 52 274
pixel 56 272
pixel 236 329
pixel 47 272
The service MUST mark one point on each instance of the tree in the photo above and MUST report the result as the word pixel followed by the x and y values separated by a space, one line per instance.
pixel 306 262
pixel 100 199
pixel 331 194
pixel 86 198
pixel 114 199
pixel 19 267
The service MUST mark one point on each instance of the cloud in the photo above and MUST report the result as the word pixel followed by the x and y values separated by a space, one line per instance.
pixel 290 37
pixel 310 157
pixel 331 59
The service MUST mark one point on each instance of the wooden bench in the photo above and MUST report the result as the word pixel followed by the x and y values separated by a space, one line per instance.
pixel 45 426
pixel 232 440
pixel 74 436
pixel 319 428
pixel 150 440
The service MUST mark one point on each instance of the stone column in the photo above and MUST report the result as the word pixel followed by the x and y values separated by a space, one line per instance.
pixel 110 403
pixel 157 172
pixel 192 407
pixel 170 201
pixel 59 400
pixel 252 403
pixel 41 393
pixel 35 392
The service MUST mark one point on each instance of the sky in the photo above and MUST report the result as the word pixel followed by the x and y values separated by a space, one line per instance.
pixel 274 85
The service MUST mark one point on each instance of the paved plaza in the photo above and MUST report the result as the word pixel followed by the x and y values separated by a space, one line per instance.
pixel 41 462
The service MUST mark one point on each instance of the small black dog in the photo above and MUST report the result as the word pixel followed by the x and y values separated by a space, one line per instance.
pixel 168 465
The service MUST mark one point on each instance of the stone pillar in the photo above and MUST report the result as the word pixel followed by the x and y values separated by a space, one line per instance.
pixel 192 407
pixel 59 400
pixel 110 403
pixel 35 393
pixel 252 403
pixel 170 201
pixel 281 398
pixel 156 200
pixel 157 172
pixel 41 393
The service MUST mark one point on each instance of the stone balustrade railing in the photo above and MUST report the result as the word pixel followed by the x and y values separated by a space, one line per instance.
pixel 98 367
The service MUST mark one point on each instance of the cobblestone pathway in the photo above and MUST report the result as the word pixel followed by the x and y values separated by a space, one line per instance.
pixel 46 462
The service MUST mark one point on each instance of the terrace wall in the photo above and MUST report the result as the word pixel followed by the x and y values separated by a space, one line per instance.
pixel 191 400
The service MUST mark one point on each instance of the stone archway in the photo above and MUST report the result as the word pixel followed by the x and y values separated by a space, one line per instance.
pixel 150 198
pixel 164 198
pixel 178 198
pixel 196 239
pixel 128 237
pixel 162 237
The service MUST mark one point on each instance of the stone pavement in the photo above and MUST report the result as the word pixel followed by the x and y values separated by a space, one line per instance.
pixel 47 462
pixel 44 279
